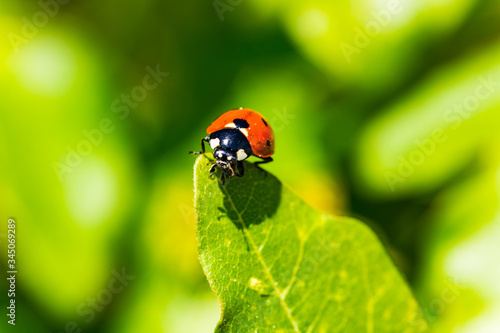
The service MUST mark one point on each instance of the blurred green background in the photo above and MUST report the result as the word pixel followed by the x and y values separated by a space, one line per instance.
pixel 384 110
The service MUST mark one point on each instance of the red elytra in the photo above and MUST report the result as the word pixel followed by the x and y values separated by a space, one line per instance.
pixel 260 134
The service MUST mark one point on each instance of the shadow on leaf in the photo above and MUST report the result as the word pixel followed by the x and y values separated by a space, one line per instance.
pixel 251 199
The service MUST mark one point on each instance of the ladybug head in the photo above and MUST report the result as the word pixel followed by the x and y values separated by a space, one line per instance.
pixel 225 158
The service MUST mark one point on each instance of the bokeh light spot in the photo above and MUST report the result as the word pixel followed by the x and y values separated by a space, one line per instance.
pixel 313 23
pixel 44 66
pixel 91 192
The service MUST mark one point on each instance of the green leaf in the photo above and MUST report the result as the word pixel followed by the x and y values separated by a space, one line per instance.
pixel 278 265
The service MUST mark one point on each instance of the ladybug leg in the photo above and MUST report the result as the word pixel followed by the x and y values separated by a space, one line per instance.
pixel 240 168
pixel 205 139
pixel 232 170
pixel 212 170
pixel 223 177
pixel 264 160
pixel 226 174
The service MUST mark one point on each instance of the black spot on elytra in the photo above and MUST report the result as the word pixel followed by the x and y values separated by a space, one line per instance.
pixel 241 123
pixel 264 121
pixel 268 144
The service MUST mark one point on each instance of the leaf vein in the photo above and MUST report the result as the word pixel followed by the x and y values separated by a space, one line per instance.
pixel 249 237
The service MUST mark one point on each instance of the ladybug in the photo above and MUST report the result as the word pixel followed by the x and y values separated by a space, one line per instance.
pixel 236 135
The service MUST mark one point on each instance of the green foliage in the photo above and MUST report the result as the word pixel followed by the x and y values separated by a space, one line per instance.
pixel 426 137
pixel 379 110
pixel 276 264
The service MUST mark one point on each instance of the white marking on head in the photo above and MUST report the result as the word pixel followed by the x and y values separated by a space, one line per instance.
pixel 230 125
pixel 214 143
pixel 241 155
pixel 244 131
pixel 219 154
